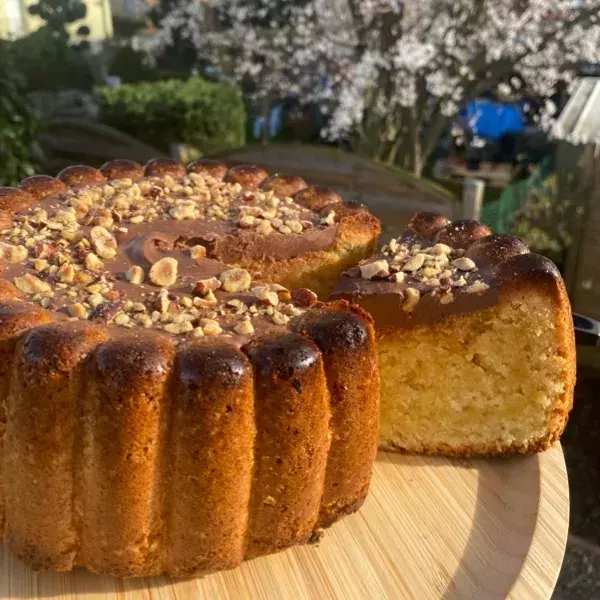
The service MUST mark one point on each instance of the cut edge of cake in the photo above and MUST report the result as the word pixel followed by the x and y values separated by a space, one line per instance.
pixel 473 362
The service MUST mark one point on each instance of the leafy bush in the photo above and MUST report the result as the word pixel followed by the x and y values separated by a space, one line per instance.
pixel 48 62
pixel 20 152
pixel 132 67
pixel 208 116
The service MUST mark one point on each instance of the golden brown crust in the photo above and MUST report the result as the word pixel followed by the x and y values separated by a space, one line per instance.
pixel 292 442
pixel 125 410
pixel 317 197
pixel 13 200
pixel 159 167
pixel 462 234
pixel 80 175
pixel 213 426
pixel 283 186
pixel 426 224
pixel 121 168
pixel 8 291
pixel 15 318
pixel 214 168
pixel 346 338
pixel 41 432
pixel 248 176
pixel 40 186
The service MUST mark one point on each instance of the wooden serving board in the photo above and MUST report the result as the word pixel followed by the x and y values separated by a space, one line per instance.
pixel 430 528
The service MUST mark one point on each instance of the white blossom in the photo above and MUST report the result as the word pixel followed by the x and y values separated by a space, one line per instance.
pixel 382 68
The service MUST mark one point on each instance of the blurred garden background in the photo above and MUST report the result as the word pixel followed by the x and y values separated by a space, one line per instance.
pixel 399 105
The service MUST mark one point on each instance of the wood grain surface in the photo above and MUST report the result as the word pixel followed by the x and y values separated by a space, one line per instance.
pixel 430 528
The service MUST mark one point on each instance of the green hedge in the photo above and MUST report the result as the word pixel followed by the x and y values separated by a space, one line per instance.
pixel 20 151
pixel 208 116
pixel 48 62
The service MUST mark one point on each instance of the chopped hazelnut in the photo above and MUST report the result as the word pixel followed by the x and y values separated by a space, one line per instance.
pixel 247 222
pixel 441 249
pixel 205 301
pixel 178 328
pixel 164 272
pixel 398 277
pixel 478 286
pixel 211 327
pixel 93 263
pixel 39 264
pixel 103 242
pixel 77 310
pixel 379 268
pixel 279 318
pixel 184 209
pixel 414 263
pixel 30 284
pixel 304 297
pixel 264 228
pixel 294 225
pixel 135 275
pixel 198 252
pixel 122 319
pixel 66 273
pixel 463 263
pixel 12 254
pixel 244 328
pixel 95 300
pixel 162 303
pixel 412 299
pixel 204 286
pixel 264 293
pixel 329 219
pixel 235 280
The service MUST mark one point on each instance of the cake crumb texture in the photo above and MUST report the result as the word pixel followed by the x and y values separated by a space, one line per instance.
pixel 486 383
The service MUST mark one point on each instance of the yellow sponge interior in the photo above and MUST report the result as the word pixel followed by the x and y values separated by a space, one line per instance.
pixel 480 382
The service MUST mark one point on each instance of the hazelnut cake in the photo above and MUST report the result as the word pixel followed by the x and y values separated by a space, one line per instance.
pixel 174 399
pixel 475 340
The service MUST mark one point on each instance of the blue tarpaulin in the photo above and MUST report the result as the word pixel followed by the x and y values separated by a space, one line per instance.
pixel 491 120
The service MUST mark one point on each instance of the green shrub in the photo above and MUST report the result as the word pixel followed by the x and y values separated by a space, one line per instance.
pixel 208 116
pixel 20 152
pixel 48 62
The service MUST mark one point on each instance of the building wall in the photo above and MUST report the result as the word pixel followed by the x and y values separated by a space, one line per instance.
pixel 98 19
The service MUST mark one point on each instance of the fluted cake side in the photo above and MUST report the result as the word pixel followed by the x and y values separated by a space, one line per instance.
pixel 127 455
pixel 167 405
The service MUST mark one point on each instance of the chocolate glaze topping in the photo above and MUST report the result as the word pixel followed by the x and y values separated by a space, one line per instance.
pixel 86 244
pixel 438 268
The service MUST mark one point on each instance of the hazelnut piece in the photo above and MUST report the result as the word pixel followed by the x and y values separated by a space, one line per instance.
pixel 378 268
pixel 235 280
pixel 164 272
pixel 13 254
pixel 135 275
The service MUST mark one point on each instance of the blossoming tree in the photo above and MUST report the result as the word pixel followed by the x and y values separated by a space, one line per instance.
pixel 393 75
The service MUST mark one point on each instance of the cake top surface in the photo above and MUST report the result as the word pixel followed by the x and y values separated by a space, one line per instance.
pixel 152 247
pixel 438 267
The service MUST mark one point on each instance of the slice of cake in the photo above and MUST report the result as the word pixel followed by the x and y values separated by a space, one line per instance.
pixel 475 340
